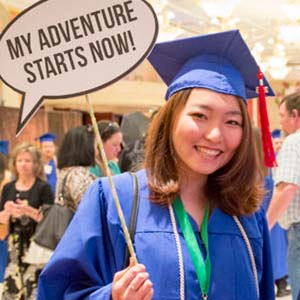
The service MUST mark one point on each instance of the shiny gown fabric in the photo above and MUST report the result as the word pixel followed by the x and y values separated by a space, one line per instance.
pixel 93 248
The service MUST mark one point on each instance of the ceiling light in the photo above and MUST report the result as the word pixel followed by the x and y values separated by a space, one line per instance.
pixel 233 21
pixel 263 66
pixel 258 47
pixel 277 61
pixel 290 33
pixel 215 21
pixel 291 10
pixel 279 73
pixel 218 8
pixel 170 15
pixel 169 34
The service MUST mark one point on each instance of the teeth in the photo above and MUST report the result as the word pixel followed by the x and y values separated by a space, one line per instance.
pixel 208 151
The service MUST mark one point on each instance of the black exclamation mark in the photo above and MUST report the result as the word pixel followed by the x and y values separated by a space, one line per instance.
pixel 131 40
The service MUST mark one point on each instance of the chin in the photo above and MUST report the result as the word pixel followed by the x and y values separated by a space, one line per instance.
pixel 207 172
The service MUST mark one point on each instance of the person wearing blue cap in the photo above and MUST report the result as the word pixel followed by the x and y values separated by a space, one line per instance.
pixel 5 174
pixel 278 236
pixel 4 145
pixel 48 153
pixel 285 204
pixel 276 139
pixel 5 177
pixel 199 233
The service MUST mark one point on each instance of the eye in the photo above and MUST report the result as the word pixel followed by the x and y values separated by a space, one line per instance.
pixel 234 123
pixel 200 116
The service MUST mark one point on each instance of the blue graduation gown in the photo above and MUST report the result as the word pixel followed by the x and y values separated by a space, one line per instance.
pixel 93 248
pixel 278 236
pixel 3 258
pixel 51 176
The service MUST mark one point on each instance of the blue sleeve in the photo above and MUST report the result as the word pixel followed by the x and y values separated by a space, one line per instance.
pixel 267 280
pixel 269 184
pixel 82 266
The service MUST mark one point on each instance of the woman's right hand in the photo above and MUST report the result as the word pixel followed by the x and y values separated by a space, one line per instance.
pixel 13 209
pixel 10 208
pixel 132 283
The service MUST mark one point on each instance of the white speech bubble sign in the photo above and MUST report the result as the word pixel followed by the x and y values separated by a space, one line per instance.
pixel 64 48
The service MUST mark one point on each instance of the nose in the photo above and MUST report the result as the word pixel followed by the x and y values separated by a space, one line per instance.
pixel 119 149
pixel 214 134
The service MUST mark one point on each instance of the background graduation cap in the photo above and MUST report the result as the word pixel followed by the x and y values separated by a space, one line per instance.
pixel 4 147
pixel 221 62
pixel 46 137
pixel 276 133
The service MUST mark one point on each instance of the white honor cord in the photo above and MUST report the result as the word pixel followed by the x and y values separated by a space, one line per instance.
pixel 180 255
pixel 179 252
pixel 250 252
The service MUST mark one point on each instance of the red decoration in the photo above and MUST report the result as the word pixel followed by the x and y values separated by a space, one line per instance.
pixel 269 154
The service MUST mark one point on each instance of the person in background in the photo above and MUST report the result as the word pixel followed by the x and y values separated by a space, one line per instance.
pixel 134 134
pixel 112 142
pixel 21 200
pixel 75 157
pixel 278 236
pixel 199 231
pixel 277 140
pixel 47 147
pixel 5 177
pixel 285 204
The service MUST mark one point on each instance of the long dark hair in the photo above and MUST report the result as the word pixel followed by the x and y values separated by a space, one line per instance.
pixel 77 148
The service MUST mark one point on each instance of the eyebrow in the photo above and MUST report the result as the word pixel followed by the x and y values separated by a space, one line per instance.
pixel 207 107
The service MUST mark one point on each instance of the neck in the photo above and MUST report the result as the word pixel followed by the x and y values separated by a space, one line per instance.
pixel 193 198
pixel 46 160
pixel 26 180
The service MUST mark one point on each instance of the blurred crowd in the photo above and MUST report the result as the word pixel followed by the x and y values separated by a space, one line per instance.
pixel 36 174
pixel 39 173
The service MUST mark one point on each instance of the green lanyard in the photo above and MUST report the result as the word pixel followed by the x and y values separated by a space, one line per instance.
pixel 203 269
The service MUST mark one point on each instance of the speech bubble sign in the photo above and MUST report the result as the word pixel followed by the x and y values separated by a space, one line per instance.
pixel 64 48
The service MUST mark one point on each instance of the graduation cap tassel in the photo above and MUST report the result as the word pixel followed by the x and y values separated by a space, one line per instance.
pixel 269 154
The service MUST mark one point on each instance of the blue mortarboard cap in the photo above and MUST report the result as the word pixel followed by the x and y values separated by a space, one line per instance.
pixel 47 137
pixel 4 145
pixel 221 62
pixel 276 133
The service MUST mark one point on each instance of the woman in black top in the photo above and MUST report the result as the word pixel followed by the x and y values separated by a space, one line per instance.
pixel 20 203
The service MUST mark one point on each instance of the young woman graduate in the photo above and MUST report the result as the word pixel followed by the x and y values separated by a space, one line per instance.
pixel 200 173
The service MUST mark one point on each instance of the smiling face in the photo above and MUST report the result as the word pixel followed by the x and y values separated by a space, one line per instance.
pixel 207 132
